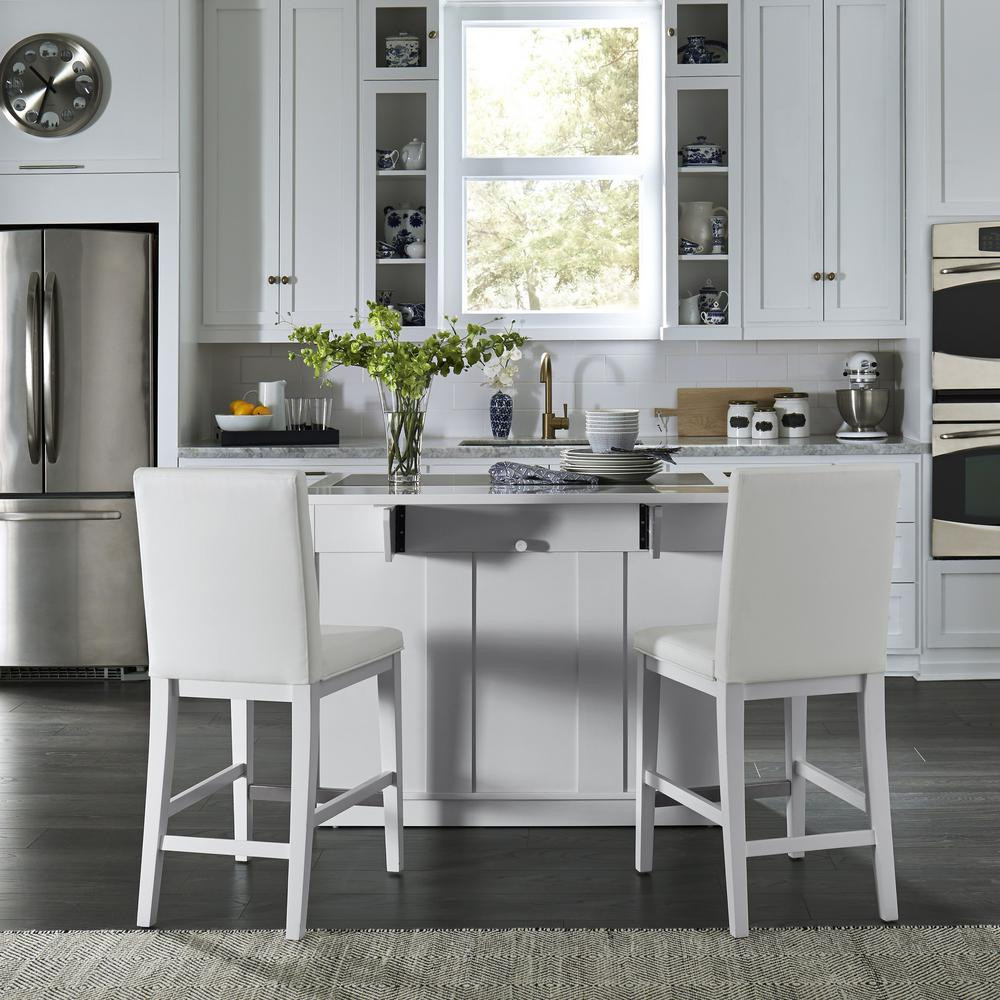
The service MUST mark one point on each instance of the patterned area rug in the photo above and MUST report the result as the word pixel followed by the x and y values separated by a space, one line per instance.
pixel 915 963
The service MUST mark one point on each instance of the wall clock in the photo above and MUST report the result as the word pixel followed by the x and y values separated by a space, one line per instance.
pixel 52 85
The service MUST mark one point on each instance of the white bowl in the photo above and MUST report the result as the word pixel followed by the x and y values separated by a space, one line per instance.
pixel 250 422
pixel 602 443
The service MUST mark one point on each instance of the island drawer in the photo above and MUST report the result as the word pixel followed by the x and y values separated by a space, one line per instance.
pixel 508 528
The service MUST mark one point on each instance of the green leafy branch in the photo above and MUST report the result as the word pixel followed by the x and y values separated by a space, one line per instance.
pixel 405 367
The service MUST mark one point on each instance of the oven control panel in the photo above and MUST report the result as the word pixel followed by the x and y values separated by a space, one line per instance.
pixel 989 239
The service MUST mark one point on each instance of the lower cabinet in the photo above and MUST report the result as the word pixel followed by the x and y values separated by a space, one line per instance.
pixel 963 598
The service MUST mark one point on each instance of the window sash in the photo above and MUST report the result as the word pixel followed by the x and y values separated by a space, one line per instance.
pixel 645 168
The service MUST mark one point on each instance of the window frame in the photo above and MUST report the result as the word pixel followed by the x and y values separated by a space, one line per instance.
pixel 646 167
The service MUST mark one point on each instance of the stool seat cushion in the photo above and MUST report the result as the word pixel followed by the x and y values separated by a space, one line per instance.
pixel 689 646
pixel 348 646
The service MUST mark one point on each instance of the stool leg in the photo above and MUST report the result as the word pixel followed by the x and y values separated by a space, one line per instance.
pixel 241 712
pixel 871 727
pixel 305 781
pixel 160 772
pixel 391 746
pixel 647 727
pixel 732 789
pixel 795 749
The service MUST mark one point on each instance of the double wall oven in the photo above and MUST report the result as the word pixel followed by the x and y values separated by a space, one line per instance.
pixel 965 368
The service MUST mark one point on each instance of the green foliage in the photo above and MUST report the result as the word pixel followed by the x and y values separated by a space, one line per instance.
pixel 404 367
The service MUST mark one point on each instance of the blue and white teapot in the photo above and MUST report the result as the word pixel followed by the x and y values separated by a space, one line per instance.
pixel 404 225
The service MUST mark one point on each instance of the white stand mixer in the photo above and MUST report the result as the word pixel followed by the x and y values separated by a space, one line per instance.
pixel 863 405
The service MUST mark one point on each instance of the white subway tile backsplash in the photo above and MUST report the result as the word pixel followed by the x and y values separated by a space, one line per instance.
pixel 588 374
pixel 758 367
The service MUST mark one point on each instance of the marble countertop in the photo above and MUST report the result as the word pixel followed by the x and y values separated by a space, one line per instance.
pixel 354 449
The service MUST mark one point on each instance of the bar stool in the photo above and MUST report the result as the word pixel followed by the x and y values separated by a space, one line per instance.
pixel 204 537
pixel 804 600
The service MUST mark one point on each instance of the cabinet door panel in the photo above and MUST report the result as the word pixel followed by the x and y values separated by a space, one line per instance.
pixel 241 162
pixel 863 161
pixel 783 198
pixel 319 161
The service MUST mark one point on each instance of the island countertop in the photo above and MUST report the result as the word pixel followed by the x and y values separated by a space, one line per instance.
pixel 477 490
pixel 355 449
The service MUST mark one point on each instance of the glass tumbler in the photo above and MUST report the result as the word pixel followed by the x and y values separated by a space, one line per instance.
pixel 322 412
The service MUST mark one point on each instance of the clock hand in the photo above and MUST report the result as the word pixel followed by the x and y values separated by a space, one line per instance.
pixel 48 83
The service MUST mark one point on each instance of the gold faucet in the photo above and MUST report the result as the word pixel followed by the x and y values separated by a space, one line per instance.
pixel 550 422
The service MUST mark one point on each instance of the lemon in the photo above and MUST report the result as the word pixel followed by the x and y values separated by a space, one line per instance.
pixel 262 411
pixel 241 408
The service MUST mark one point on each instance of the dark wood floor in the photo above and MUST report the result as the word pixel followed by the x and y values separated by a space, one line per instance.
pixel 72 771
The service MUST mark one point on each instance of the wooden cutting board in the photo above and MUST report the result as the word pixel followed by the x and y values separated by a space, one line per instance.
pixel 701 412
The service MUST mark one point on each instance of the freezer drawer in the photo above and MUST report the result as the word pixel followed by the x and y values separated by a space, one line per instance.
pixel 70 587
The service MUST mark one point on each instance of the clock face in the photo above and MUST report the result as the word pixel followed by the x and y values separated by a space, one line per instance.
pixel 51 85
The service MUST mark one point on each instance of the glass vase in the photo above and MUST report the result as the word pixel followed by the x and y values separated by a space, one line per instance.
pixel 404 430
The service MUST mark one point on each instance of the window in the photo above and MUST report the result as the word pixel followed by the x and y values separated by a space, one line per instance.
pixel 552 167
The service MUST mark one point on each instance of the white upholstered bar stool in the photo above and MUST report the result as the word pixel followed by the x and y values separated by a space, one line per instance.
pixel 229 582
pixel 821 538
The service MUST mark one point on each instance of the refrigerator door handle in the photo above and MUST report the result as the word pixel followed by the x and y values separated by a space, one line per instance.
pixel 32 370
pixel 61 515
pixel 49 368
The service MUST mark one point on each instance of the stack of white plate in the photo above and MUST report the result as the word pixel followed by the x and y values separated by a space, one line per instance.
pixel 619 467
pixel 610 430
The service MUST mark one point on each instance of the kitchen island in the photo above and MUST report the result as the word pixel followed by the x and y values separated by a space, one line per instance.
pixel 517 609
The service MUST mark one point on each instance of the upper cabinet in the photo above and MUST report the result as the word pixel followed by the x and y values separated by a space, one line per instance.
pixel 823 167
pixel 399 40
pixel 134 45
pixel 280 141
pixel 702 38
pixel 963 129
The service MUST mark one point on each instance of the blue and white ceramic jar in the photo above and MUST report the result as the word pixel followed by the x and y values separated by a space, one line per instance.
pixel 696 53
pixel 501 414
pixel 404 225
pixel 402 51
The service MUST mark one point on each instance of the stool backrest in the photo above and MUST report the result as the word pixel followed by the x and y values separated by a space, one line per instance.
pixel 228 574
pixel 806 571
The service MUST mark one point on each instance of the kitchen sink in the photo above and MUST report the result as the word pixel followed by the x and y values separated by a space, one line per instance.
pixel 521 442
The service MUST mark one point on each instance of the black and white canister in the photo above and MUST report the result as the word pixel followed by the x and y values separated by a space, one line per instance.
pixel 764 424
pixel 739 417
pixel 793 414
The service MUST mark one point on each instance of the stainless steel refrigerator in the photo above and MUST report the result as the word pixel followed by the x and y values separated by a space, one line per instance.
pixel 76 419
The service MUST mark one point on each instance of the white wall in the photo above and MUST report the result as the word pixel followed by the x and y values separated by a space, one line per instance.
pixel 642 374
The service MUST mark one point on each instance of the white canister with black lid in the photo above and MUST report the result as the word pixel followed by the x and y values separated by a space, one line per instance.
pixel 739 417
pixel 764 424
pixel 793 414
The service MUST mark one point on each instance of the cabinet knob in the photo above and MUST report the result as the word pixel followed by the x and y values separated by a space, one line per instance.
pixel 520 545
pixel 817 276
pixel 285 279
pixel 671 32
pixel 831 276
pixel 432 34
pixel 272 279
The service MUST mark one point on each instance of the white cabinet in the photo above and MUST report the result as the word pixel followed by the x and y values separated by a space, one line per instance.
pixel 280 226
pixel 823 175
pixel 961 74
pixel 136 41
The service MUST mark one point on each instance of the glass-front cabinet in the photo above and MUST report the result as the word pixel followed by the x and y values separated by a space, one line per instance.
pixel 702 223
pixel 702 38
pixel 399 40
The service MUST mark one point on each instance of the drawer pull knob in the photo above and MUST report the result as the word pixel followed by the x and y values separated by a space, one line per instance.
pixel 520 545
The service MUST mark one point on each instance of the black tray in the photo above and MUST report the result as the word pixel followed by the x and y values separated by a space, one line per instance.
pixel 276 439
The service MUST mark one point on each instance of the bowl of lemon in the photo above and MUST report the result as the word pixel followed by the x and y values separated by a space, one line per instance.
pixel 244 416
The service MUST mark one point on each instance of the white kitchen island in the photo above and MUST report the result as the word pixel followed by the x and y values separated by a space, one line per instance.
pixel 518 611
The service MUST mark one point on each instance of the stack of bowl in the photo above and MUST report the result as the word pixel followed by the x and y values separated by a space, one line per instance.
pixel 610 430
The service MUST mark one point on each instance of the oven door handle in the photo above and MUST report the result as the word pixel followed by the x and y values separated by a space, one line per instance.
pixel 958 435
pixel 970 268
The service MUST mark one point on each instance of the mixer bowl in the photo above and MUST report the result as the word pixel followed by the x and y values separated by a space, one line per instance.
pixel 863 409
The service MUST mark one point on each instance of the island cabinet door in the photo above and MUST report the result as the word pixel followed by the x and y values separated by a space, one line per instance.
pixel 319 157
pixel 863 197
pixel 783 130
